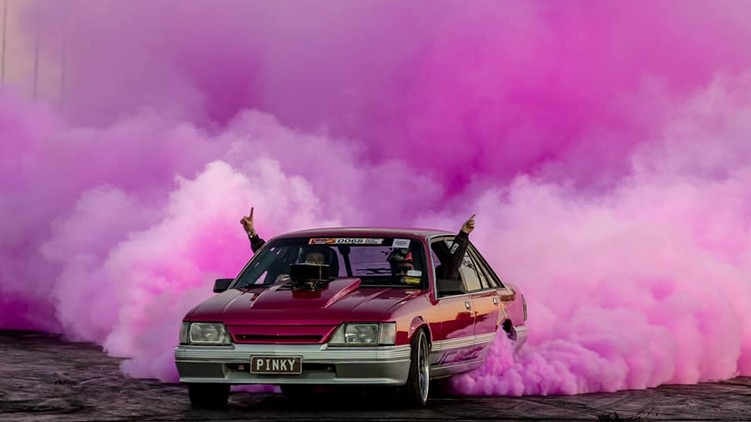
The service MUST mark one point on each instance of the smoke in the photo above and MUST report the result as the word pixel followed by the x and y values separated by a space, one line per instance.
pixel 603 147
pixel 645 285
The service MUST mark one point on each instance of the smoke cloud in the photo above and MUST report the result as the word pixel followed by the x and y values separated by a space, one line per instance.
pixel 602 145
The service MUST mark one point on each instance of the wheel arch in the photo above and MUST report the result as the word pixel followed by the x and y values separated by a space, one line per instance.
pixel 508 328
pixel 418 323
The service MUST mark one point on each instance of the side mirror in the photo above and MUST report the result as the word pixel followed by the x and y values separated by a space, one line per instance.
pixel 222 284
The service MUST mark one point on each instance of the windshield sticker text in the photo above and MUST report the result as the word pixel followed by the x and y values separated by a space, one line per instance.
pixel 412 280
pixel 401 243
pixel 345 241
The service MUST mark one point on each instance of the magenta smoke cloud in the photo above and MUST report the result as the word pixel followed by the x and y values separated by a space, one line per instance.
pixel 603 146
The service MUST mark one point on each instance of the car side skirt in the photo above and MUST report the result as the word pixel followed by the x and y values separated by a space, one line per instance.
pixel 454 356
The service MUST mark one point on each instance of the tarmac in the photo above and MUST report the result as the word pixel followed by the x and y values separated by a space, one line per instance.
pixel 43 377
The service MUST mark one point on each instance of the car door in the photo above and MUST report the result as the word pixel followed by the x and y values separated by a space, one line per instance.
pixel 485 299
pixel 457 318
pixel 454 333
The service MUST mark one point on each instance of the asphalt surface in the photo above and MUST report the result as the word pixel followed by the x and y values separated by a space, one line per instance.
pixel 45 378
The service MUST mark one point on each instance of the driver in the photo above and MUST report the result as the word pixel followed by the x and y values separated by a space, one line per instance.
pixel 317 254
pixel 401 261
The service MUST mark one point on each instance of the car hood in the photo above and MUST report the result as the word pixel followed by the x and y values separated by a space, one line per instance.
pixel 339 300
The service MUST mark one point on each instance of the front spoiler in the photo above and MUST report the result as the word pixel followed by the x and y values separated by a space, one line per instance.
pixel 382 365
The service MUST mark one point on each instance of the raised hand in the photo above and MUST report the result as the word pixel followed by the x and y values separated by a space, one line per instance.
pixel 247 223
pixel 469 225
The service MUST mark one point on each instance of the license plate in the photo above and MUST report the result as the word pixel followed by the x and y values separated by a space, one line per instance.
pixel 276 364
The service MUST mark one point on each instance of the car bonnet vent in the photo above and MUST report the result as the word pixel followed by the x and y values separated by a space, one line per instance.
pixel 307 276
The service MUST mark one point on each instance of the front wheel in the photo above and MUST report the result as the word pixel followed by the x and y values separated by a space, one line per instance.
pixel 208 396
pixel 415 392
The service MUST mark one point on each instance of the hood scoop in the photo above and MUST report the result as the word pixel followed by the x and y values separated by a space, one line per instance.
pixel 318 294
pixel 307 277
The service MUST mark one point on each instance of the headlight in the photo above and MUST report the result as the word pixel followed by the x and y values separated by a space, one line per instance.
pixel 364 334
pixel 206 333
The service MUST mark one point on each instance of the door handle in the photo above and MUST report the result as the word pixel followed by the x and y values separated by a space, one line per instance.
pixel 495 300
pixel 468 304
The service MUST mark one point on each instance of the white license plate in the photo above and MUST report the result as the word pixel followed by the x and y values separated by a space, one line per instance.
pixel 276 364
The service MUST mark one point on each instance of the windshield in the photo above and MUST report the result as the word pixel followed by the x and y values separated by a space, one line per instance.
pixel 381 261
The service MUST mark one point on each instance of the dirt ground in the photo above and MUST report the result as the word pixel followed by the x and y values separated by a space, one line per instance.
pixel 45 378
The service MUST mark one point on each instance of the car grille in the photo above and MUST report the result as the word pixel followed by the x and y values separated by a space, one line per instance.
pixel 291 334
pixel 284 339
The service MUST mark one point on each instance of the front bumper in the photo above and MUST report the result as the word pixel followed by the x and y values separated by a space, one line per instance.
pixel 382 365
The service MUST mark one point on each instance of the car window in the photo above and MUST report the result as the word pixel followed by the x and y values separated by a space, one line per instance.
pixel 444 286
pixel 386 265
pixel 376 261
pixel 486 281
pixel 469 275
pixel 266 267
pixel 485 268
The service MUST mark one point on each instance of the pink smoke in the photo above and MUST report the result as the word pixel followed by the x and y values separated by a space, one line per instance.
pixel 601 144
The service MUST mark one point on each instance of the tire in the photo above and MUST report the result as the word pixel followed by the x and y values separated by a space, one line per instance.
pixel 415 392
pixel 208 396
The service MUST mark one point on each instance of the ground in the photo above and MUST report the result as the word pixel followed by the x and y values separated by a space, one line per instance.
pixel 43 377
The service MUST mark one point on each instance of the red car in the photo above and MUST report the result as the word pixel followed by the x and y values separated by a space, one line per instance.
pixel 352 315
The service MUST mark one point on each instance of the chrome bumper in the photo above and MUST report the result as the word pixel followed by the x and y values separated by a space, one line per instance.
pixel 521 336
pixel 384 365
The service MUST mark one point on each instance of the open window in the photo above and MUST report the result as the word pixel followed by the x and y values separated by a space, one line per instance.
pixel 473 274
pixel 445 286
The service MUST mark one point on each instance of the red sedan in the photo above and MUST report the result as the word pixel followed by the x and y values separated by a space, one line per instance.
pixel 347 306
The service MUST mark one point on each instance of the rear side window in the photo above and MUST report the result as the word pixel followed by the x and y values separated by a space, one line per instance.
pixel 484 269
pixel 469 275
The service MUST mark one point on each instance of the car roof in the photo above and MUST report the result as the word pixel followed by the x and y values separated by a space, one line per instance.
pixel 365 232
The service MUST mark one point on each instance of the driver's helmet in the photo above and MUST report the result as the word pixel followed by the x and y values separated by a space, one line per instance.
pixel 401 260
pixel 322 255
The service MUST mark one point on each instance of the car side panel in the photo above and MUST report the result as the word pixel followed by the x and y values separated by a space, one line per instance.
pixel 487 309
pixel 513 301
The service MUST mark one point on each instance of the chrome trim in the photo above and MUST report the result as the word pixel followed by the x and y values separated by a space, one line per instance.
pixel 468 341
pixel 313 353
pixel 384 365
pixel 298 381
pixel 443 348
pixel 521 336
pixel 486 338
pixel 520 330
pixel 440 369
pixel 446 370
